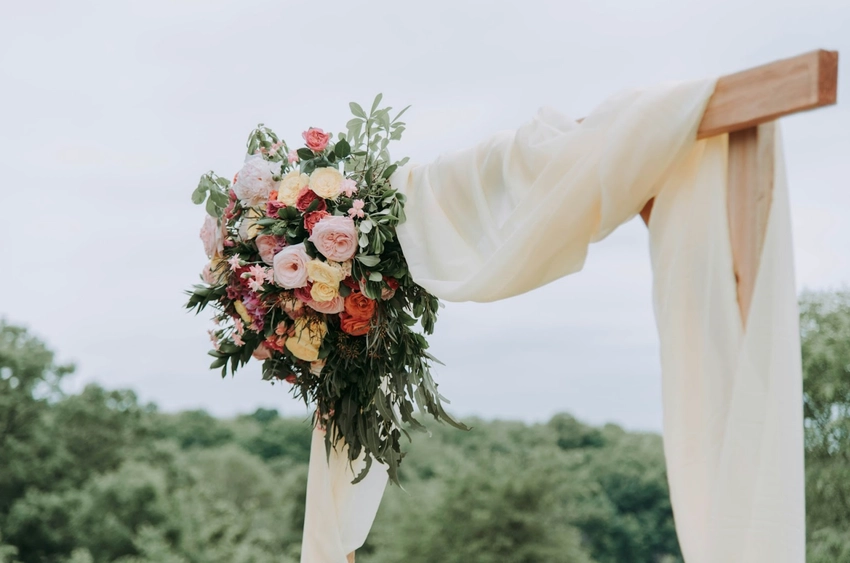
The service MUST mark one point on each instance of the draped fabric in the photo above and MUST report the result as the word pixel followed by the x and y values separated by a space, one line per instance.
pixel 338 515
pixel 519 210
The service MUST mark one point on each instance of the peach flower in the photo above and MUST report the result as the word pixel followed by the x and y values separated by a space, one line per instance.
pixel 335 237
pixel 290 267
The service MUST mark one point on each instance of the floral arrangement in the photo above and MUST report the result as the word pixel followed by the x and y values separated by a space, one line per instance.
pixel 306 275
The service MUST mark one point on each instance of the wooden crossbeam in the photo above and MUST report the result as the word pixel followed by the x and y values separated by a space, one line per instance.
pixel 767 92
pixel 745 105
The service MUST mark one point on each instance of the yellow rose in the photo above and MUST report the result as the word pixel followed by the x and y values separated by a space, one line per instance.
pixel 305 343
pixel 290 186
pixel 326 182
pixel 325 272
pixel 243 312
pixel 249 228
pixel 322 292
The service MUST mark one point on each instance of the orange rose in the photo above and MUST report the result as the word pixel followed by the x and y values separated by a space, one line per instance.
pixel 357 317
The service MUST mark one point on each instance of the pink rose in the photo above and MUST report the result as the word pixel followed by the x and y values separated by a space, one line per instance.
pixel 335 237
pixel 305 197
pixel 212 237
pixel 332 307
pixel 311 219
pixel 268 246
pixel 290 267
pixel 315 139
pixel 303 293
pixel 262 353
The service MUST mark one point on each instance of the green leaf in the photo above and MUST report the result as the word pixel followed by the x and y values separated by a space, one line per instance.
pixel 376 102
pixel 357 110
pixel 389 171
pixel 342 149
pixel 199 195
pixel 314 205
pixel 305 154
pixel 375 276
pixel 368 260
pixel 401 113
pixel 366 227
pixel 212 208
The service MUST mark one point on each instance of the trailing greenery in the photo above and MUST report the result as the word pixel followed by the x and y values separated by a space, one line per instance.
pixel 98 477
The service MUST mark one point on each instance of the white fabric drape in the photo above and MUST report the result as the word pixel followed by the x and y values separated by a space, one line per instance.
pixel 519 211
pixel 338 515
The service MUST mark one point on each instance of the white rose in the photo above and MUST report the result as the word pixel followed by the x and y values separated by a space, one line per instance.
pixel 326 182
pixel 290 187
pixel 255 181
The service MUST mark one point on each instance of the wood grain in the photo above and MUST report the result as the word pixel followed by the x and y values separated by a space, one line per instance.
pixel 750 194
pixel 764 93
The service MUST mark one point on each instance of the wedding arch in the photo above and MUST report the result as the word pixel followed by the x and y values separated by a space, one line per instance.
pixel 736 481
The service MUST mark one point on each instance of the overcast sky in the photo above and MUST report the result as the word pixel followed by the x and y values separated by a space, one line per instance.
pixel 110 110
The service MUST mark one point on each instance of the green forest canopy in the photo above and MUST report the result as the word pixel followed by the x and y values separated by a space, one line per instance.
pixel 98 477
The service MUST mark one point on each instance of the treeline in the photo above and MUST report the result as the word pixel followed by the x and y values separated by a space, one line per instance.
pixel 98 477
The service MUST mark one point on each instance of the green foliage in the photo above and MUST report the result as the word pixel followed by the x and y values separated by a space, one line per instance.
pixel 97 477
pixel 825 334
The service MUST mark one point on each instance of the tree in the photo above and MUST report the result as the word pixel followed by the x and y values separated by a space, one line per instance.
pixel 29 378
pixel 825 337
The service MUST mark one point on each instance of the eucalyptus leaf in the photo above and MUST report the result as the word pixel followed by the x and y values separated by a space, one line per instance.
pixel 357 110
pixel 368 260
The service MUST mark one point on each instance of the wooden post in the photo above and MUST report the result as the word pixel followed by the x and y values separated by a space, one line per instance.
pixel 750 193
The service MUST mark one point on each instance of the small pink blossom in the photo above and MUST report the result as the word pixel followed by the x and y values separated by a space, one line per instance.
pixel 258 272
pixel 234 262
pixel 292 156
pixel 214 339
pixel 357 208
pixel 238 340
pixel 240 326
pixel 348 187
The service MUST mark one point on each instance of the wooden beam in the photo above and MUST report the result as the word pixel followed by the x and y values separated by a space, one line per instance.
pixel 764 93
pixel 750 193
